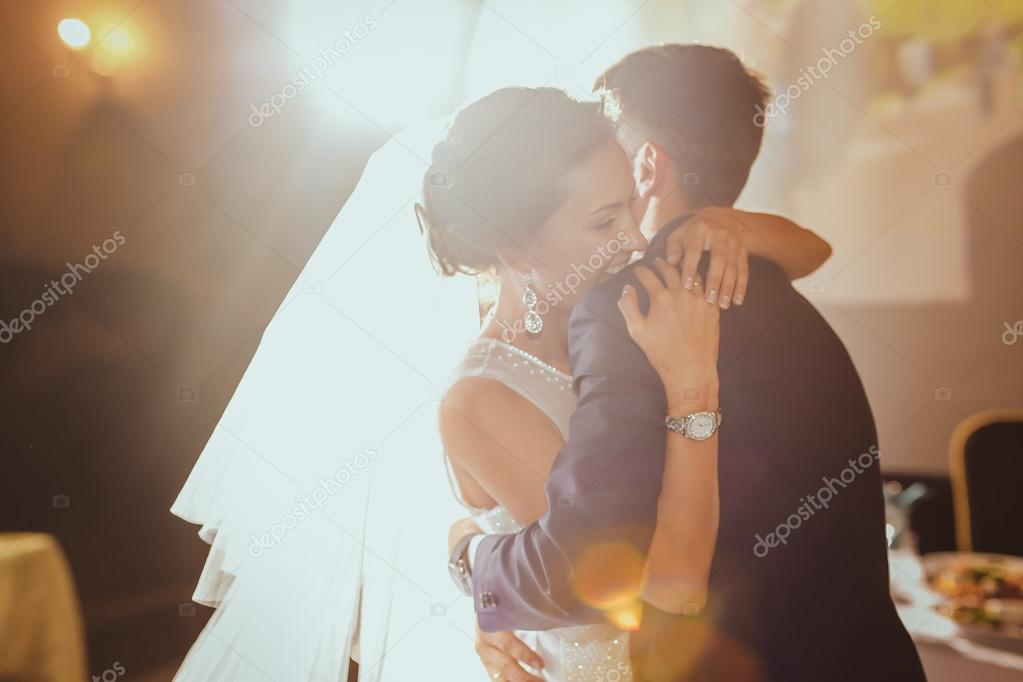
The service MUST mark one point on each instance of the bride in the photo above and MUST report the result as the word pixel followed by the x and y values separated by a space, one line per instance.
pixel 552 190
pixel 318 492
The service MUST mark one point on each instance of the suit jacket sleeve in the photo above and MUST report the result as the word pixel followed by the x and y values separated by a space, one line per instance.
pixel 602 492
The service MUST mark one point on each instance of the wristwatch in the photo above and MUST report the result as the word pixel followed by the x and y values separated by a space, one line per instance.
pixel 695 426
pixel 458 567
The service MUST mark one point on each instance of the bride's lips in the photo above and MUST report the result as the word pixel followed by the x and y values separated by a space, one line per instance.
pixel 615 268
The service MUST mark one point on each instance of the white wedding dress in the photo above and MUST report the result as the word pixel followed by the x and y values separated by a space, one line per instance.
pixel 582 653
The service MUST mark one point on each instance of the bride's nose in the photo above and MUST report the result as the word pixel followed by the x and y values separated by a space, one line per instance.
pixel 634 239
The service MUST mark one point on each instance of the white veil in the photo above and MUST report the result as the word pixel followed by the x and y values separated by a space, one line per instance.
pixel 322 491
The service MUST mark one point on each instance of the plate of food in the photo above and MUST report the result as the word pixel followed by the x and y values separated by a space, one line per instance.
pixel 982 593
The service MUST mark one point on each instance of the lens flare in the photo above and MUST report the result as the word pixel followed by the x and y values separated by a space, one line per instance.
pixel 74 32
pixel 628 616
pixel 609 577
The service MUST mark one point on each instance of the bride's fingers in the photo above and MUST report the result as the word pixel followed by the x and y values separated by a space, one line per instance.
pixel 676 246
pixel 694 251
pixel 628 303
pixel 742 279
pixel 718 259
pixel 669 274
pixel 728 281
pixel 649 280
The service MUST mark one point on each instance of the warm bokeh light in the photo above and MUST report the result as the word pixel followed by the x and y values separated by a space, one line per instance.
pixel 628 616
pixel 119 42
pixel 118 47
pixel 74 32
pixel 609 577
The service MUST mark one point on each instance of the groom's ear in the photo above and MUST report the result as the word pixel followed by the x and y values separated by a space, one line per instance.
pixel 648 169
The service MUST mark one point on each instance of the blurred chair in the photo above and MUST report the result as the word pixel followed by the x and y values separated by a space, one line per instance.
pixel 986 467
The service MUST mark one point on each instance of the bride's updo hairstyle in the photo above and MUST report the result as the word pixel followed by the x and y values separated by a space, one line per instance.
pixel 497 175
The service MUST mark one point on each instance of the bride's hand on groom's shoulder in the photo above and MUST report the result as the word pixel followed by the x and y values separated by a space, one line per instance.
pixel 679 334
pixel 719 230
pixel 502 653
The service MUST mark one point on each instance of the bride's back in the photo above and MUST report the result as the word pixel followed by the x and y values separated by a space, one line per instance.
pixel 545 398
pixel 583 652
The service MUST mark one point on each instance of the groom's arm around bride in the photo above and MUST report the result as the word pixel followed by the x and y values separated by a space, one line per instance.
pixel 601 494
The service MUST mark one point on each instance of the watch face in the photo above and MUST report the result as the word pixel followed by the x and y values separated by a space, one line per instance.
pixel 701 426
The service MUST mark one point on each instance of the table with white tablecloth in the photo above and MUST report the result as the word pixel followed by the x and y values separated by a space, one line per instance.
pixel 945 664
pixel 948 655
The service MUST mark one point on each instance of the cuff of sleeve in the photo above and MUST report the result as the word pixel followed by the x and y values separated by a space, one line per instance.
pixel 470 553
pixel 480 554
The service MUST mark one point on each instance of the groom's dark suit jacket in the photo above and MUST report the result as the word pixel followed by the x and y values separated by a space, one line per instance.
pixel 799 584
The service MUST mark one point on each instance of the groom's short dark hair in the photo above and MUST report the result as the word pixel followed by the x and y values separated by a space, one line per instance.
pixel 697 103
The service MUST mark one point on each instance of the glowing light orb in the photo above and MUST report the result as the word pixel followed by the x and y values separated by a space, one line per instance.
pixel 74 32
pixel 628 616
pixel 118 49
pixel 120 42
pixel 609 577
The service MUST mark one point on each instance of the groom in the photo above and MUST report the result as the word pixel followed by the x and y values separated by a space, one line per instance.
pixel 799 583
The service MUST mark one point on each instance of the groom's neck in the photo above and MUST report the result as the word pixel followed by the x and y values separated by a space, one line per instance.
pixel 663 210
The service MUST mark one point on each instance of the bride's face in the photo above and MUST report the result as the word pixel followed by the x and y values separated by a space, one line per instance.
pixel 592 234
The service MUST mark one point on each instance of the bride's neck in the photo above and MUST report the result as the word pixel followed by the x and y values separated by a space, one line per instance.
pixel 506 323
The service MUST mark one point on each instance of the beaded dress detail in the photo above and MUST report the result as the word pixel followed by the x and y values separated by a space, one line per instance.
pixel 582 653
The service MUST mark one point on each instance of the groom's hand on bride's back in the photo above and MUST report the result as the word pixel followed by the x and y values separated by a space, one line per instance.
pixel 503 655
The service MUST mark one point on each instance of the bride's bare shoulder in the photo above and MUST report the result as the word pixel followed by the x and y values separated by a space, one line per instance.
pixel 484 398
pixel 475 406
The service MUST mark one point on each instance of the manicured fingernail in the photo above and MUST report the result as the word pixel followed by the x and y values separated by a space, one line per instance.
pixel 688 284
pixel 738 299
pixel 674 257
pixel 712 295
pixel 626 289
pixel 723 302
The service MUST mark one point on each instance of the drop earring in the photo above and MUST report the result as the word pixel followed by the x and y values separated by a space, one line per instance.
pixel 531 319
